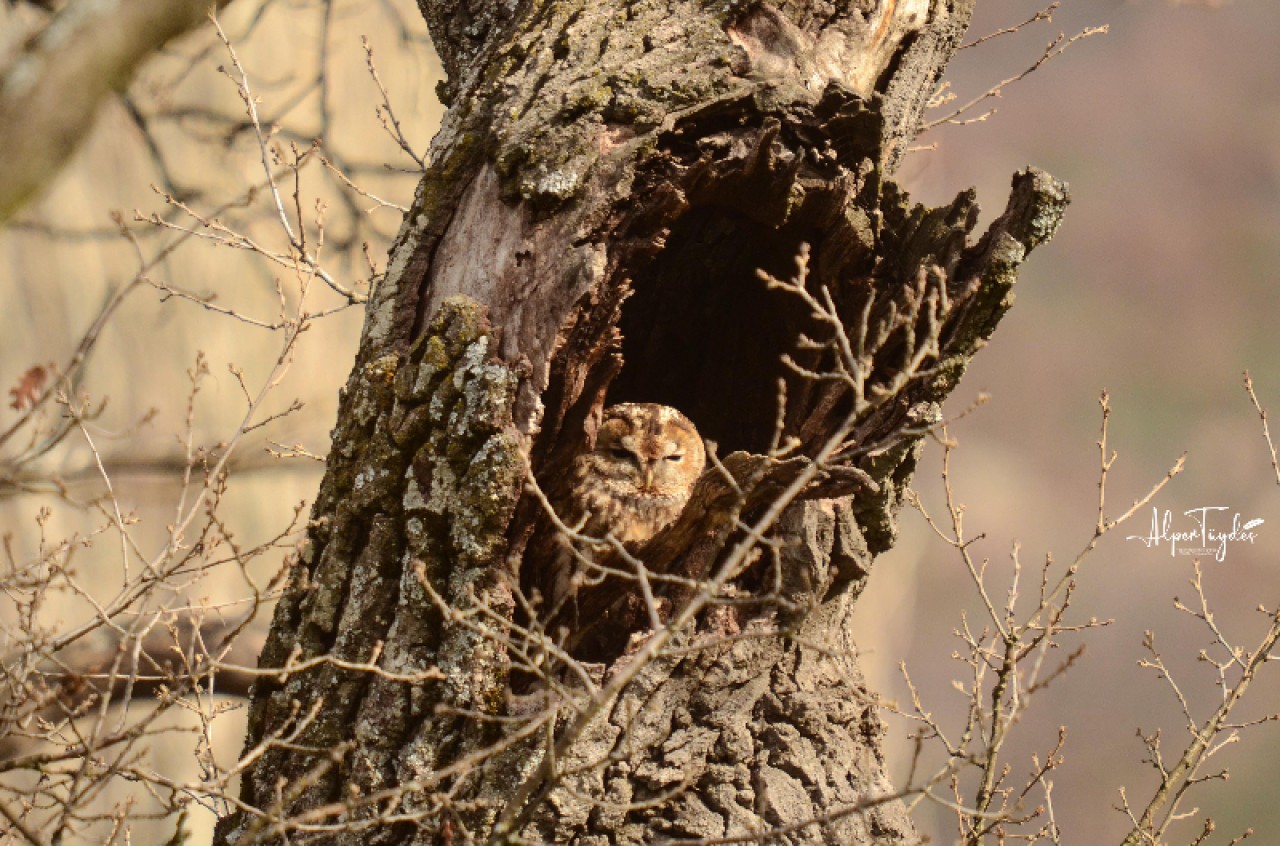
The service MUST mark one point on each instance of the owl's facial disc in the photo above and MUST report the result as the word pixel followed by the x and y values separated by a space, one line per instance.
pixel 650 452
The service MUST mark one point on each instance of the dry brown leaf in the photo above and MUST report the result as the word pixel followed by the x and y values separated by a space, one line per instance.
pixel 29 388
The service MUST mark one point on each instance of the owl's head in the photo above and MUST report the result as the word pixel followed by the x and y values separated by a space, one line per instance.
pixel 649 450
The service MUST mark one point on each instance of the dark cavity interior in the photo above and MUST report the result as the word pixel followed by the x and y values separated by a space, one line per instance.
pixel 703 333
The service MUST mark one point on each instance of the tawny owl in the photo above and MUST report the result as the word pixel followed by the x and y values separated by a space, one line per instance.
pixel 633 484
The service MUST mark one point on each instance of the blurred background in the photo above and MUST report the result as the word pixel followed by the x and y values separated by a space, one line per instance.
pixel 1160 288
pixel 1156 288
pixel 182 131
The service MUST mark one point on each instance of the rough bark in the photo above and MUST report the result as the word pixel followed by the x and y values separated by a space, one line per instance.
pixel 608 180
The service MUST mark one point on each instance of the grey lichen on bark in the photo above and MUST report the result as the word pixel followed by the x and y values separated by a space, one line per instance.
pixel 419 488
pixel 604 188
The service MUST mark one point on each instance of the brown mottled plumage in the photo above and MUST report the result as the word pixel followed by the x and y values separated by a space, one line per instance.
pixel 634 482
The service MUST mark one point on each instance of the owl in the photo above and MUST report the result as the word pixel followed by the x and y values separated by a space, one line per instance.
pixel 633 484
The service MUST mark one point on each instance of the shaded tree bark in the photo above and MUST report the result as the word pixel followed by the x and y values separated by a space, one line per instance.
pixel 607 182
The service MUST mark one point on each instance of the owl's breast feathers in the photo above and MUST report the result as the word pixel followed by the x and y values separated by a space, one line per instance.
pixel 631 516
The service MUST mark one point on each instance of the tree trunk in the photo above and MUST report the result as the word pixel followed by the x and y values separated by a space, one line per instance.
pixel 608 181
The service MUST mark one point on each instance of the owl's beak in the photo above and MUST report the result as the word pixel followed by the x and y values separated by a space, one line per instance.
pixel 648 475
